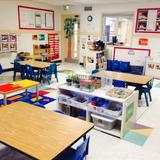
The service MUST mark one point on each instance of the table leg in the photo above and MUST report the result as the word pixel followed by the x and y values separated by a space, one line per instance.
pixel 26 92
pixel 37 92
pixel 5 99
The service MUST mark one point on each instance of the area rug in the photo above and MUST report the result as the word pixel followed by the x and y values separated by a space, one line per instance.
pixel 31 97
pixel 138 134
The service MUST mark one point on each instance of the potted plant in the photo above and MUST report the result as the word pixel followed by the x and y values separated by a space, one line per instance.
pixel 69 80
pixel 76 81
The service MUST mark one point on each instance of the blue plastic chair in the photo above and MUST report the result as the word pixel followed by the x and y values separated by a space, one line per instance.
pixel 29 73
pixel 1 70
pixel 115 65
pixel 147 89
pixel 48 72
pixel 124 66
pixel 109 65
pixel 117 83
pixel 136 70
pixel 95 71
pixel 17 68
pixel 76 154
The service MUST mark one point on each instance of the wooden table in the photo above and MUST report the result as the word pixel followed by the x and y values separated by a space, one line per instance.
pixel 130 79
pixel 33 57
pixel 36 64
pixel 17 86
pixel 126 77
pixel 37 132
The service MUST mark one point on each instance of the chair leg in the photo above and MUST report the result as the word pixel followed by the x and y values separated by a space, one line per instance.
pixel 150 97
pixel 14 76
pixel 56 76
pixel 146 99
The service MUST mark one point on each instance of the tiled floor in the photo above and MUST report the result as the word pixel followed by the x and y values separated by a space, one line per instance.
pixel 106 147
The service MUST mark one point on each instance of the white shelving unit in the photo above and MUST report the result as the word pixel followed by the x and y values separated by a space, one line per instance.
pixel 129 108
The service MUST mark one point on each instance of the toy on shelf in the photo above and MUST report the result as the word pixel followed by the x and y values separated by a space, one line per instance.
pixel 119 92
pixel 87 85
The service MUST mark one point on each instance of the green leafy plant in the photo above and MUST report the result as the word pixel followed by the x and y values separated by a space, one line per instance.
pixel 69 26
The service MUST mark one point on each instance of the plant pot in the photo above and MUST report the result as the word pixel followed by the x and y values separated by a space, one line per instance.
pixel 77 85
pixel 69 82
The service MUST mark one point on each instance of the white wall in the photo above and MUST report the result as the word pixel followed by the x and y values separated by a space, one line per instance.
pixel 9 13
pixel 9 24
pixel 9 21
pixel 95 27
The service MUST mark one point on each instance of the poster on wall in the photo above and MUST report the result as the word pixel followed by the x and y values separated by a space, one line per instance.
pixel 143 41
pixel 5 38
pixel 13 38
pixel 12 46
pixel 48 22
pixel 5 47
pixel 35 18
pixel 34 37
pixel 41 37
pixel 148 20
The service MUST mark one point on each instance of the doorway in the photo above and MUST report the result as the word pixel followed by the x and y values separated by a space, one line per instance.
pixel 70 38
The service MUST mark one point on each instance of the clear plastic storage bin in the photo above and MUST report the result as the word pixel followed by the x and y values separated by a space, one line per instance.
pixel 103 121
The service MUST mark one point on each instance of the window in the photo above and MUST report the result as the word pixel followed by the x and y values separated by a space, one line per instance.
pixel 118 29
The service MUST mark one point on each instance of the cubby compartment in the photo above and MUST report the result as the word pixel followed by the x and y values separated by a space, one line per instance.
pixel 103 121
pixel 78 102
pixel 63 99
pixel 106 108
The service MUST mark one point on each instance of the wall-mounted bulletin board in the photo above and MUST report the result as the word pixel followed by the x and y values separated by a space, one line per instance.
pixel 136 56
pixel 8 42
pixel 148 20
pixel 35 18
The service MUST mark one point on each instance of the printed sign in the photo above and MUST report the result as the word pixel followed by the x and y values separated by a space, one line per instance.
pixel 143 42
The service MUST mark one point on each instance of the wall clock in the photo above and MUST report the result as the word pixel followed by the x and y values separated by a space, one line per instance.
pixel 89 18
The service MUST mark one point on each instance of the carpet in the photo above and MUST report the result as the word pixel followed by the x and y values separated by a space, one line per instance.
pixel 138 134
pixel 31 97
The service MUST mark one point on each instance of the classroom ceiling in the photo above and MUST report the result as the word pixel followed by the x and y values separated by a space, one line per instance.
pixel 90 2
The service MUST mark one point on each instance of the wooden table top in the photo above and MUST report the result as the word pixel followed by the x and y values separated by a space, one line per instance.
pixel 40 133
pixel 17 86
pixel 130 78
pixel 36 64
pixel 33 57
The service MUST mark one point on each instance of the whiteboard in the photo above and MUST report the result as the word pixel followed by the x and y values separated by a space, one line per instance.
pixel 35 18
pixel 135 56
